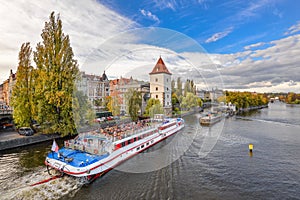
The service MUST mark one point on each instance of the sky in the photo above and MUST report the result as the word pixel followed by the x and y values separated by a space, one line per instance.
pixel 234 44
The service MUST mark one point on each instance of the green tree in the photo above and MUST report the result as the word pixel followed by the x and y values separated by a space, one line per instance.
pixel 133 99
pixel 156 109
pixel 173 86
pixel 179 87
pixel 57 71
pixel 106 103
pixel 114 105
pixel 190 101
pixel 82 109
pixel 150 103
pixel 22 91
pixel 187 87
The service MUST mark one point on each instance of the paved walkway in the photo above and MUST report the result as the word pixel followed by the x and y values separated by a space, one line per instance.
pixel 9 135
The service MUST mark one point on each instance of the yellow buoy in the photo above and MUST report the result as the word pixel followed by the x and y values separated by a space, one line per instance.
pixel 250 147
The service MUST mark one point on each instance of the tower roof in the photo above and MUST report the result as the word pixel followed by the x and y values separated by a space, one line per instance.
pixel 160 67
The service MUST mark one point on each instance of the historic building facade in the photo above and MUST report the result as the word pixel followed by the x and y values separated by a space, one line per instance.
pixel 95 87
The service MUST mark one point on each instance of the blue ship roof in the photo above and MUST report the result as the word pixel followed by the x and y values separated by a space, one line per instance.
pixel 76 158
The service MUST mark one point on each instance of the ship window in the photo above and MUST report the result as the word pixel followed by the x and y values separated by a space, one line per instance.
pixel 152 141
pixel 147 143
pixel 142 146
pixel 134 139
pixel 123 144
pixel 128 142
pixel 138 148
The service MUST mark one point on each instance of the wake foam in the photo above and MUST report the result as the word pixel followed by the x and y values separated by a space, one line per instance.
pixel 19 187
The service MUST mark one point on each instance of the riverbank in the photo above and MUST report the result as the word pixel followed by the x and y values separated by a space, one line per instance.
pixel 13 139
pixel 241 110
pixel 13 142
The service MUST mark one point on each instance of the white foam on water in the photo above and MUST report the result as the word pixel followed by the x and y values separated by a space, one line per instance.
pixel 20 188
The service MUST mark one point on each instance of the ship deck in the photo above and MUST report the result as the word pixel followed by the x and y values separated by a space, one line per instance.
pixel 76 158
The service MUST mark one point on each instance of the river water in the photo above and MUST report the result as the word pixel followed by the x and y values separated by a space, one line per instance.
pixel 197 163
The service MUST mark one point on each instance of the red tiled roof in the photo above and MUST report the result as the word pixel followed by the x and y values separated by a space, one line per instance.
pixel 160 67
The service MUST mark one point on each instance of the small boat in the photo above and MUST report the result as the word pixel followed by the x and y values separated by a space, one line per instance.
pixel 92 154
pixel 211 119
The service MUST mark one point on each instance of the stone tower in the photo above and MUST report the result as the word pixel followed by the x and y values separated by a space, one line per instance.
pixel 160 85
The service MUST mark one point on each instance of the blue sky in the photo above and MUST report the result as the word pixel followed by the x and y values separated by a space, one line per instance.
pixel 234 23
pixel 250 45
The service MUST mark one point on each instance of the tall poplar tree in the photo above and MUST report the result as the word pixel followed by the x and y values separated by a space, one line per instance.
pixel 55 81
pixel 22 91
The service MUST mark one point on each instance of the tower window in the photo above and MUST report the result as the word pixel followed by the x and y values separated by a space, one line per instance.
pixel 167 89
pixel 156 88
pixel 156 96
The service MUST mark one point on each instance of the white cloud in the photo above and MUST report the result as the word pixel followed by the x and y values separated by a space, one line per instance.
pixel 254 45
pixel 149 15
pixel 87 22
pixel 219 35
pixel 293 29
pixel 274 67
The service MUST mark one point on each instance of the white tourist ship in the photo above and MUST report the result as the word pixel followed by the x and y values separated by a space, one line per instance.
pixel 92 154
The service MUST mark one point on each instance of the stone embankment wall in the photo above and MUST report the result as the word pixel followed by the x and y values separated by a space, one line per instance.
pixel 26 140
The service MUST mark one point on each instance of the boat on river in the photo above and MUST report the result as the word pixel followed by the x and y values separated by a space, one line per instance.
pixel 92 154
pixel 212 118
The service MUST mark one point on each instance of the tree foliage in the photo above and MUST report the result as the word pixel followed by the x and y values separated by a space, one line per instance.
pixel 23 89
pixel 293 98
pixel 133 99
pixel 189 87
pixel 150 103
pixel 57 71
pixel 179 87
pixel 190 101
pixel 114 105
pixel 246 99
pixel 82 109
pixel 156 109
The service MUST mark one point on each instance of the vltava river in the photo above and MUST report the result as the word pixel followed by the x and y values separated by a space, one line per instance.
pixel 199 163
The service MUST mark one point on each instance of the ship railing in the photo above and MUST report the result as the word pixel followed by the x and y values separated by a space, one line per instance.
pixel 90 148
pixel 136 131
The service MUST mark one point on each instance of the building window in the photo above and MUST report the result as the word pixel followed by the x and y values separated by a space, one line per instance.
pixel 167 80
pixel 167 89
pixel 156 79
pixel 156 96
pixel 156 88
pixel 167 103
pixel 167 96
